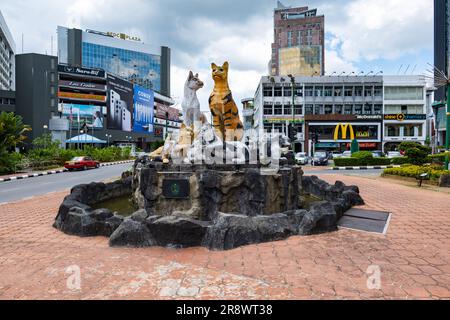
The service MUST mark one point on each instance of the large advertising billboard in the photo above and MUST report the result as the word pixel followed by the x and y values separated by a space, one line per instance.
pixel 144 104
pixel 163 111
pixel 83 116
pixel 120 104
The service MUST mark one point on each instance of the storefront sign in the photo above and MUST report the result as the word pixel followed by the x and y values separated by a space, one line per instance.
pixel 364 145
pixel 81 96
pixel 163 111
pixel 81 85
pixel 344 128
pixel 404 117
pixel 369 117
pixel 81 71
pixel 283 120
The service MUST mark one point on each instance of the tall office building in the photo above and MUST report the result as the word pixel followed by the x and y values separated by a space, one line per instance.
pixel 441 59
pixel 299 42
pixel 7 51
pixel 117 54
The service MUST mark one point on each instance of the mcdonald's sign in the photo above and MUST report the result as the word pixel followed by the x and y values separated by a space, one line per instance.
pixel 343 129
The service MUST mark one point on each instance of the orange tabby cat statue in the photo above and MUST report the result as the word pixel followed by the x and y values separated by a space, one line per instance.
pixel 225 113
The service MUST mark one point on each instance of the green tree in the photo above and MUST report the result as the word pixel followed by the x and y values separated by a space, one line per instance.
pixel 12 131
pixel 416 153
pixel 12 134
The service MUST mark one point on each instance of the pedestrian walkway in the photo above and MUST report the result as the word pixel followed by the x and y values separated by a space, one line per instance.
pixel 412 260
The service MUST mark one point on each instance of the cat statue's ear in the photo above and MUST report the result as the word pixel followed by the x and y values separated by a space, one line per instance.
pixel 226 65
pixel 191 75
pixel 196 75
pixel 214 66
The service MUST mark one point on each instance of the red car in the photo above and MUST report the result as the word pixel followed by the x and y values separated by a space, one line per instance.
pixel 81 163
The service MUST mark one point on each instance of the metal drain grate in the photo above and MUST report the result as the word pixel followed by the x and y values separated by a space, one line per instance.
pixel 365 220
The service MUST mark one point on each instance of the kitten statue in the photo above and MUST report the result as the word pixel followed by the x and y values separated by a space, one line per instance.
pixel 191 104
pixel 225 112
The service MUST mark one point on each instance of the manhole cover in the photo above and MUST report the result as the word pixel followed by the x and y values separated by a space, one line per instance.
pixel 365 220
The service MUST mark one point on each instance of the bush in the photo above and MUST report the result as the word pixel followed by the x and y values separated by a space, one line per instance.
pixel 10 162
pixel 401 160
pixel 356 162
pixel 438 158
pixel 413 171
pixel 417 153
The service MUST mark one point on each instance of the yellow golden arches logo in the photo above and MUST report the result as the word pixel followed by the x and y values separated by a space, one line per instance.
pixel 344 128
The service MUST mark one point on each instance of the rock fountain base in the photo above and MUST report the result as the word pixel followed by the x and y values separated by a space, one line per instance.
pixel 218 207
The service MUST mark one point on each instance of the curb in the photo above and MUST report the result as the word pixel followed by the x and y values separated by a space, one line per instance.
pixel 47 173
pixel 365 168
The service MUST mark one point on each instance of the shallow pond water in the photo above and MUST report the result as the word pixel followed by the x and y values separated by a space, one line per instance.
pixel 123 206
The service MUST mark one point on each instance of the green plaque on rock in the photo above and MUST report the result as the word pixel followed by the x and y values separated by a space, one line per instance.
pixel 176 189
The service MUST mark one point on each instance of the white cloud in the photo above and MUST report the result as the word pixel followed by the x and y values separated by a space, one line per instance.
pixel 380 29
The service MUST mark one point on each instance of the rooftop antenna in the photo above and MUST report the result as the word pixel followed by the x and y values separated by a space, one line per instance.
pixel 22 43
pixel 407 69
pixel 412 72
pixel 51 46
pixel 399 69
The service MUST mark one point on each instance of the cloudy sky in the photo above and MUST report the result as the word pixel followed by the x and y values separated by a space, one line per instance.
pixel 361 35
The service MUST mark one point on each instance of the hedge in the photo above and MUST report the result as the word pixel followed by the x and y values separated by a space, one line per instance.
pixel 357 162
pixel 414 171
pixel 401 160
pixel 437 158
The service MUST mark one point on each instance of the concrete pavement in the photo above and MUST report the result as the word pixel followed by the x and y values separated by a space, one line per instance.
pixel 410 262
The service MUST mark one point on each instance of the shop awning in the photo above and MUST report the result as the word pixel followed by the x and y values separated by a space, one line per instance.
pixel 86 139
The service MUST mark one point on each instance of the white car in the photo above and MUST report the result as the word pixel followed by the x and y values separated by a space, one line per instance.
pixel 302 158
pixel 347 154
pixel 394 154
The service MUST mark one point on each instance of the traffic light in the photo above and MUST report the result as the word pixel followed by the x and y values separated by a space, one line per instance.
pixel 292 132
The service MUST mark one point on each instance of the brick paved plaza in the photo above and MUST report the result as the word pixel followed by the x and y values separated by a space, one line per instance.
pixel 413 258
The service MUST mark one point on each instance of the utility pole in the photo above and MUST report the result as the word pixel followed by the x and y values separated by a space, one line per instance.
pixel 447 135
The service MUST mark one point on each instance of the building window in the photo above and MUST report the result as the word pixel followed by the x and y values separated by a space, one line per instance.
pixel 267 91
pixel 298 109
pixel 393 130
pixel 318 109
pixel 268 110
pixel 337 92
pixel 348 91
pixel 309 109
pixel 299 91
pixel 358 109
pixel 328 109
pixel 368 109
pixel 403 93
pixel 358 91
pixel 378 109
pixel 268 127
pixel 278 127
pixel 338 109
pixel 368 92
pixel 278 110
pixel 309 91
pixel 287 109
pixel 278 92
pixel 328 92
pixel 348 109
pixel 287 91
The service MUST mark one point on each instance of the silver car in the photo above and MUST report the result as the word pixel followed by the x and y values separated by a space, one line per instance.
pixel 302 158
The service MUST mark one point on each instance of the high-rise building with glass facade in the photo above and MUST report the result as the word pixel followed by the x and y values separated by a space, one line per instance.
pixel 7 60
pixel 118 54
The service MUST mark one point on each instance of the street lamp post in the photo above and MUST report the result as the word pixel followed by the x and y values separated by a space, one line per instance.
pixel 447 135
pixel 293 109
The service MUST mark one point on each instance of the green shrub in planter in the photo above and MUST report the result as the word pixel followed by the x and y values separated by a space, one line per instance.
pixel 347 162
pixel 379 162
pixel 401 160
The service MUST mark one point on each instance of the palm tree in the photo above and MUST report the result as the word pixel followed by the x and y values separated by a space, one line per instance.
pixel 12 131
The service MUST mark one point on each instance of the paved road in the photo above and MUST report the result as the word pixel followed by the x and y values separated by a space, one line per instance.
pixel 20 189
pixel 354 173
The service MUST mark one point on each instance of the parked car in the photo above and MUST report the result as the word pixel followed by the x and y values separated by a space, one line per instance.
pixel 347 154
pixel 302 158
pixel 394 154
pixel 336 155
pixel 320 158
pixel 81 163
pixel 378 154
